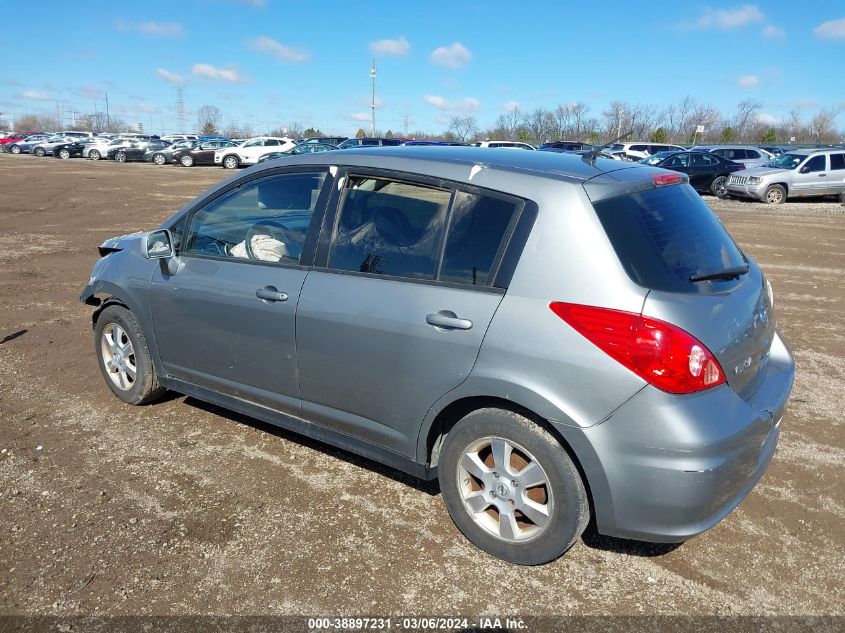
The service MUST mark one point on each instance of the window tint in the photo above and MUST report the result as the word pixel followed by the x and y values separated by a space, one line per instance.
pixel 678 160
pixel 639 148
pixel 837 161
pixel 476 232
pixel 666 235
pixel 389 228
pixel 724 153
pixel 816 163
pixel 703 160
pixel 271 141
pixel 266 220
pixel 751 153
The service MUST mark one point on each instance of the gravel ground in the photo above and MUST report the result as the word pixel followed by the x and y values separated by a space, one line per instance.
pixel 182 508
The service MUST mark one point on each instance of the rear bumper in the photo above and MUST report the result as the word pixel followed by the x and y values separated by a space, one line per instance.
pixel 664 468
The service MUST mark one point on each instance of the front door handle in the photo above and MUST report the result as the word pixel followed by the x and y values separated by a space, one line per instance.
pixel 270 293
pixel 822 175
pixel 448 320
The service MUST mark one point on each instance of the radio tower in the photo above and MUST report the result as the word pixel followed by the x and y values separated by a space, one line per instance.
pixel 373 77
pixel 180 108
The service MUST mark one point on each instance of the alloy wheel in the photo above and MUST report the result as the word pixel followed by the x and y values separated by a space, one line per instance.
pixel 774 196
pixel 159 159
pixel 720 187
pixel 505 489
pixel 118 356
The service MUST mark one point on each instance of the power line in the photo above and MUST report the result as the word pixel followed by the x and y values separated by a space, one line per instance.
pixel 180 108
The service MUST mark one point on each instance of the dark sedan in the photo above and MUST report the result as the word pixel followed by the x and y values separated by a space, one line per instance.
pixel 136 151
pixel 70 150
pixel 202 154
pixel 708 173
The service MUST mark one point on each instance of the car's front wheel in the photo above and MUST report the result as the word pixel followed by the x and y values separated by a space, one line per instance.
pixel 94 155
pixel 187 160
pixel 15 149
pixel 159 159
pixel 64 153
pixel 775 194
pixel 231 162
pixel 120 157
pixel 511 488
pixel 719 187
pixel 124 357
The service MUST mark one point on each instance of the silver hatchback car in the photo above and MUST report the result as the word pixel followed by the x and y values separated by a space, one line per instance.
pixel 553 337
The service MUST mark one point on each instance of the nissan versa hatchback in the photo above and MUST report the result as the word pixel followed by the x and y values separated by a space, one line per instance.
pixel 555 338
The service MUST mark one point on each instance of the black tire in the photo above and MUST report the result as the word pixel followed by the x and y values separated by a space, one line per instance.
pixel 186 160
pixel 63 153
pixel 566 500
pixel 159 159
pixel 231 162
pixel 145 387
pixel 15 149
pixel 120 156
pixel 94 154
pixel 39 151
pixel 775 194
pixel 719 187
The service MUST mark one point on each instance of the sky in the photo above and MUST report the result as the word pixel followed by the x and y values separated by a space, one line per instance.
pixel 274 62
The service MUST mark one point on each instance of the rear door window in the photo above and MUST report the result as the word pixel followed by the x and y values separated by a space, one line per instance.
pixel 837 161
pixel 666 235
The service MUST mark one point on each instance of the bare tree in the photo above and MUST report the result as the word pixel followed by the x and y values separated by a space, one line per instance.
pixel 208 118
pixel 822 126
pixel 463 128
pixel 746 114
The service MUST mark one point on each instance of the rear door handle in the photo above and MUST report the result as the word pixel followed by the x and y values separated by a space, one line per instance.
pixel 448 320
pixel 270 293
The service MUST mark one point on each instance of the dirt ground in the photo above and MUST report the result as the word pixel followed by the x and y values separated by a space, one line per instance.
pixel 182 508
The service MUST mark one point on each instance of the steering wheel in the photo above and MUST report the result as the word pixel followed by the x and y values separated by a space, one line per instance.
pixel 277 231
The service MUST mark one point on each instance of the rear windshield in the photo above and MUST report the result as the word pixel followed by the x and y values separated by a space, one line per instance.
pixel 666 235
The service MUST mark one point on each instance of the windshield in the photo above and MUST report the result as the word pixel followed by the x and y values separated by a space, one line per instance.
pixel 787 161
pixel 667 235
pixel 656 158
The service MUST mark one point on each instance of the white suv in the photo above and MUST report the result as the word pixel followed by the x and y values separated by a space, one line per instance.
pixel 640 149
pixel 251 150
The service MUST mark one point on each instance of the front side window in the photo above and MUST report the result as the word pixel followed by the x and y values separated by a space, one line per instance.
pixel 477 231
pixel 256 143
pixel 388 227
pixel 265 220
pixel 816 163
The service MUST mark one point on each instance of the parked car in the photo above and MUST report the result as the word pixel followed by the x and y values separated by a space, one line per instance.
pixel 748 156
pixel 11 139
pixel 504 144
pixel 637 150
pixel 200 154
pixel 25 145
pixel 795 174
pixel 328 140
pixel 164 155
pixel 174 138
pixel 708 173
pixel 774 150
pixel 370 142
pixel 73 149
pixel 567 146
pixel 136 151
pixel 251 150
pixel 379 299
pixel 101 147
pixel 77 134
pixel 46 148
pixel 302 148
pixel 657 157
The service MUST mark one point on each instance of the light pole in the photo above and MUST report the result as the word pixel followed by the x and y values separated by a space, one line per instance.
pixel 373 77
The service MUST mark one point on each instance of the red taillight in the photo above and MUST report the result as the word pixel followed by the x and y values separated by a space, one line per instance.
pixel 660 353
pixel 666 179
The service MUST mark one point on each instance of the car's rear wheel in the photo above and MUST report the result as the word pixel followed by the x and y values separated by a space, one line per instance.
pixel 39 151
pixel 124 357
pixel 15 149
pixel 94 155
pixel 187 160
pixel 64 153
pixel 775 194
pixel 231 162
pixel 120 156
pixel 159 159
pixel 719 187
pixel 511 488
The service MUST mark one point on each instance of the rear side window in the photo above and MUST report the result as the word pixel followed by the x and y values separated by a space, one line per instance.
pixel 477 232
pixel 388 227
pixel 666 235
pixel 837 161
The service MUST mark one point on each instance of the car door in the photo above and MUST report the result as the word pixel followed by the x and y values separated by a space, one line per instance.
pixel 386 325
pixel 703 169
pixel 677 162
pixel 811 177
pixel 836 178
pixel 225 319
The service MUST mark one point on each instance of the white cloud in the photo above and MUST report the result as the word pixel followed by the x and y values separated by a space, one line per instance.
pixel 726 19
pixel 35 95
pixel 454 56
pixel 153 29
pixel 230 74
pixel 269 46
pixel 748 82
pixel 463 106
pixel 772 32
pixel 511 106
pixel 399 46
pixel 767 119
pixel 360 116
pixel 831 30
pixel 170 77
pixel 258 4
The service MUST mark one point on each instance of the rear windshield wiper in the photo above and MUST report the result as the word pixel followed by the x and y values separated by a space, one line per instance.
pixel 726 274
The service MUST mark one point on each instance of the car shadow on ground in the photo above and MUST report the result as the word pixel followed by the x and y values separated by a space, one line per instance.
pixel 594 540
pixel 428 487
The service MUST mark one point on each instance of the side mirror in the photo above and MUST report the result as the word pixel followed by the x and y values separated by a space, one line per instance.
pixel 804 170
pixel 158 245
